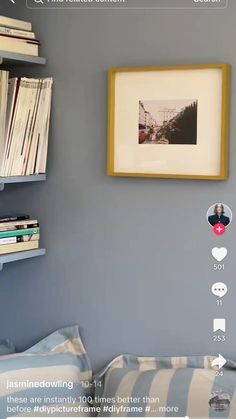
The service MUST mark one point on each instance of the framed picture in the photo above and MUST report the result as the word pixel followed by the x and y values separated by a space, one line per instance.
pixel 169 122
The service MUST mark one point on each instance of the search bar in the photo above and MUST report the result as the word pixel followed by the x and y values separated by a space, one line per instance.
pixel 127 4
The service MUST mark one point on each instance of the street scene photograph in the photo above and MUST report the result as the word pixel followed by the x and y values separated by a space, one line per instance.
pixel 168 122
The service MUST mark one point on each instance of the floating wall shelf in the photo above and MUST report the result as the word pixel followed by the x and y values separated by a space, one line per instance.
pixel 13 257
pixel 20 179
pixel 11 58
pixel 14 59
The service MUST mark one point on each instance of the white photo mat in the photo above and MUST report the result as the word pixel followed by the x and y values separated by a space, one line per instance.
pixel 201 159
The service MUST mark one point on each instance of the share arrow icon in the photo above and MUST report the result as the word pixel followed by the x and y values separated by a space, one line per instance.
pixel 219 362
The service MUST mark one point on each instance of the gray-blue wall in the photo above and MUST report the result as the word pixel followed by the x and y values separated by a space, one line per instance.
pixel 127 259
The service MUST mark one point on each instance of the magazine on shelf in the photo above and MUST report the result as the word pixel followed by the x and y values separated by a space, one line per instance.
pixel 3 109
pixel 27 115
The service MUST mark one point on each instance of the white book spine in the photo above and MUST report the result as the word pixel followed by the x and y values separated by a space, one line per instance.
pixel 11 225
pixel 23 239
pixel 16 32
pixel 9 116
pixel 26 122
pixel 9 120
pixel 34 141
pixel 42 127
pixel 15 23
pixel 42 152
pixel 19 129
pixel 22 126
pixel 14 130
pixel 42 121
pixel 3 109
pixel 19 46
pixel 34 84
pixel 8 240
pixel 18 247
pixel 30 145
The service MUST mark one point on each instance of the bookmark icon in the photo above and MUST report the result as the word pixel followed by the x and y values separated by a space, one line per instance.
pixel 219 325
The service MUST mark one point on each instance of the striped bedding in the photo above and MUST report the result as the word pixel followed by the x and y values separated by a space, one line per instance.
pixel 166 387
pixel 46 379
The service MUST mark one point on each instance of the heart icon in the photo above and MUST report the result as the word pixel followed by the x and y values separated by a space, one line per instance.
pixel 219 253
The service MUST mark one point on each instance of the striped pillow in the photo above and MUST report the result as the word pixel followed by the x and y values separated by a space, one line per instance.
pixel 49 379
pixel 166 387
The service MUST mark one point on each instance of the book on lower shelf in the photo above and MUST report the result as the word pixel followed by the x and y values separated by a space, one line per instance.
pixel 25 108
pixel 19 247
pixel 15 23
pixel 19 235
pixel 17 36
pixel 23 46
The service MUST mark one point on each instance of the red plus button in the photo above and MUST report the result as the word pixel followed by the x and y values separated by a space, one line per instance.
pixel 219 229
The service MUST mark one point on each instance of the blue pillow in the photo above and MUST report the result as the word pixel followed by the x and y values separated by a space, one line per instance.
pixel 50 379
pixel 6 347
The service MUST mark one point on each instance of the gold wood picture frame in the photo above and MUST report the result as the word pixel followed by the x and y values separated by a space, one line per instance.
pixel 169 122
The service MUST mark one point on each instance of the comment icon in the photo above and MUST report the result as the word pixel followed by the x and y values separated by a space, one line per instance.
pixel 219 289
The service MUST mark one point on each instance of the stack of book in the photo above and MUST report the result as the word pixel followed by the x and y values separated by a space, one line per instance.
pixel 25 106
pixel 17 36
pixel 18 233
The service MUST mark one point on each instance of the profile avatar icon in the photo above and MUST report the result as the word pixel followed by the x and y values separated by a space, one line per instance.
pixel 219 216
pixel 219 401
